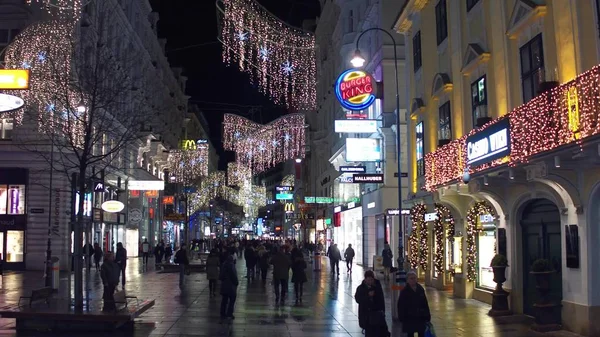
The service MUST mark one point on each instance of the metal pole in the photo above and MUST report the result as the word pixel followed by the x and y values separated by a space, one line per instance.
pixel 48 281
pixel 402 273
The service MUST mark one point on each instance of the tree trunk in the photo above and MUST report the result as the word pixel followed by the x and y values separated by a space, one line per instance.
pixel 77 238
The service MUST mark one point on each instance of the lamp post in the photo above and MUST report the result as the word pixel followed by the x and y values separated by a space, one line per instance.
pixel 358 61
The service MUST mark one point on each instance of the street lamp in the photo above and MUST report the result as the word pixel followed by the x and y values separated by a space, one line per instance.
pixel 298 160
pixel 81 108
pixel 358 61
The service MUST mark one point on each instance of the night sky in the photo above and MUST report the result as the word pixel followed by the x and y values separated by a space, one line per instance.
pixel 190 27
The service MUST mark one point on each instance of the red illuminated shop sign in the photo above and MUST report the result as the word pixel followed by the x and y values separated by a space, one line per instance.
pixel 355 89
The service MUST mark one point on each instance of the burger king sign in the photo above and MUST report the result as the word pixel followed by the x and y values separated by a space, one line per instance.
pixel 355 89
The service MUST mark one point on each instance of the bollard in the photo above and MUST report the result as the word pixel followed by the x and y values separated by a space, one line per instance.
pixel 55 273
pixel 396 289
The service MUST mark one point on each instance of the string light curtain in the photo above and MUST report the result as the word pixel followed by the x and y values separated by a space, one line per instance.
pixel 261 147
pixel 479 208
pixel 64 9
pixel 444 219
pixel 279 59
pixel 565 115
pixel 237 175
pixel 187 166
pixel 288 180
pixel 418 250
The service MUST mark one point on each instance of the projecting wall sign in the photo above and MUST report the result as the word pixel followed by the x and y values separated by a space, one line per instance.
pixel 10 102
pixel 355 89
pixel 353 169
pixel 489 144
pixel 367 178
pixel 112 206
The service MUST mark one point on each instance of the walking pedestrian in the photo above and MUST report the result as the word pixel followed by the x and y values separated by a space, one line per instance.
pixel 212 271
pixel 281 273
pixel 109 273
pixel 413 308
pixel 264 264
pixel 250 257
pixel 161 251
pixel 181 258
pixel 145 251
pixel 349 256
pixel 229 283
pixel 97 255
pixel 169 253
pixel 298 273
pixel 121 260
pixel 371 307
pixel 334 258
pixel 387 256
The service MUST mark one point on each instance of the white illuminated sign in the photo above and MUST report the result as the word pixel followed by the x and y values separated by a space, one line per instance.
pixel 489 144
pixel 112 206
pixel 371 205
pixel 362 149
pixel 431 217
pixel 351 204
pixel 10 102
pixel 337 209
pixel 355 126
pixel 146 185
pixel 486 218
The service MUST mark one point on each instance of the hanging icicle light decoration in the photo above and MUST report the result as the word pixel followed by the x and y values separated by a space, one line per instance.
pixel 280 59
pixel 63 9
pixel 288 180
pixel 238 175
pixel 261 147
pixel 187 166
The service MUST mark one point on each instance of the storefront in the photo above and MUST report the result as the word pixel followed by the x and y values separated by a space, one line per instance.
pixel 13 217
pixel 349 231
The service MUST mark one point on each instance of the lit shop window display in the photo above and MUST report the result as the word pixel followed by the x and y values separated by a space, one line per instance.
pixel 12 199
pixel 14 246
pixel 486 249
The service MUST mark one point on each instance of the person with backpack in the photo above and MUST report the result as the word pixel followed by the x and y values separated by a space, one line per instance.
pixel 181 258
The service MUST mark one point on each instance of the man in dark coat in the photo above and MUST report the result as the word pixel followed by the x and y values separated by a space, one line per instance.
pixel 109 273
pixel 371 306
pixel 121 259
pixel 251 257
pixel 349 256
pixel 229 283
pixel 281 273
pixel 334 258
pixel 413 308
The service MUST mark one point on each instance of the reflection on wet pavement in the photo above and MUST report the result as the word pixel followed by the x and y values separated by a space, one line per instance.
pixel 328 309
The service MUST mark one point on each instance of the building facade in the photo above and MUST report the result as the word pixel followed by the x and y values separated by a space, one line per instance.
pixel 131 176
pixel 358 212
pixel 503 110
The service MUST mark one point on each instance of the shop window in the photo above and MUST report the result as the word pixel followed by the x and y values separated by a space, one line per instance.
pixel 441 21
pixel 420 149
pixel 471 4
pixel 532 67
pixel 417 61
pixel 479 99
pixel 445 126
pixel 12 199
pixel 486 249
pixel 15 246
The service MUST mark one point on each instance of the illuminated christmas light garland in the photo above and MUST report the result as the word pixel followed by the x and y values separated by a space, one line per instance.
pixel 45 48
pixel 444 219
pixel 418 250
pixel 187 166
pixel 288 180
pixel 261 147
pixel 238 175
pixel 564 115
pixel 279 59
pixel 479 208
pixel 64 9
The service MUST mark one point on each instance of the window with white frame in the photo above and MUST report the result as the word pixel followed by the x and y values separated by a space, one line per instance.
pixel 6 128
pixel 532 67
pixel 420 149
pixel 445 126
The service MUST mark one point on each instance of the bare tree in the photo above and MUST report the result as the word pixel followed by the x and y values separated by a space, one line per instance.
pixel 85 107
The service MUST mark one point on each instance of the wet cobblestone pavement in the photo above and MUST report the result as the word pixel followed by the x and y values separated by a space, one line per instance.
pixel 328 309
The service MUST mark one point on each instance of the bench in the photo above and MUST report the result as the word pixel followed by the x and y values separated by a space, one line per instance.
pixel 57 317
pixel 42 294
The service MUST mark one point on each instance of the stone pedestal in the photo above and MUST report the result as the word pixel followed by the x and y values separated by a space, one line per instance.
pixel 499 296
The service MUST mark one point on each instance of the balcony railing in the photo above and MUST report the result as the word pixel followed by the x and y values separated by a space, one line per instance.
pixel 565 115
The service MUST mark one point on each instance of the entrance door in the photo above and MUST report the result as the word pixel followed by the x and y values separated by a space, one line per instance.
pixel 541 240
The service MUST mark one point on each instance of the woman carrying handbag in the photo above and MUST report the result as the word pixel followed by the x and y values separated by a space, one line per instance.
pixel 371 306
